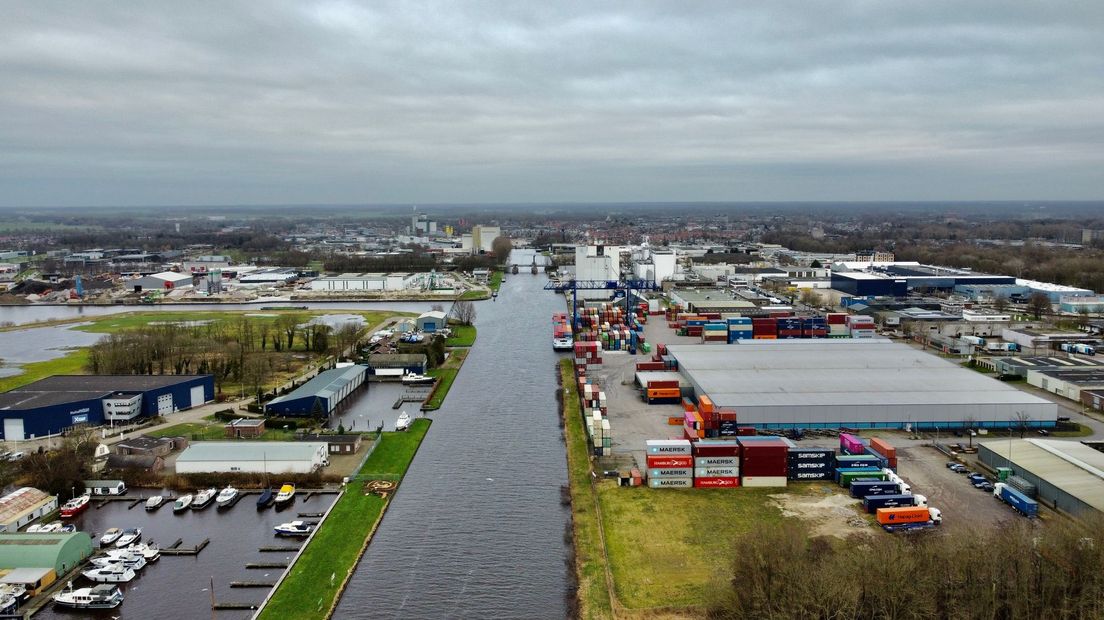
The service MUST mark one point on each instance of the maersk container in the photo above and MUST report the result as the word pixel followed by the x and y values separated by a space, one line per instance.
pixel 667 447
pixel 866 489
pixel 872 503
pixel 671 472
pixel 716 461
pixel 716 472
pixel 671 483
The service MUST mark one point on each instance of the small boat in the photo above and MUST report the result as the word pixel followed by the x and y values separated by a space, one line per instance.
pixel 202 498
pixel 112 573
pixel 129 537
pixel 286 495
pixel 226 497
pixel 16 591
pixel 134 561
pixel 34 529
pixel 75 506
pixel 154 502
pixel 266 499
pixel 417 379
pixel 8 605
pixel 110 536
pixel 149 551
pixel 294 528
pixel 403 423
pixel 563 344
pixel 96 597
pixel 182 503
pixel 52 527
pixel 68 528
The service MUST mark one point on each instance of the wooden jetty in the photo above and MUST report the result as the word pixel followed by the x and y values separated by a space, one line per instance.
pixel 266 564
pixel 252 584
pixel 234 606
pixel 279 549
pixel 311 514
pixel 176 549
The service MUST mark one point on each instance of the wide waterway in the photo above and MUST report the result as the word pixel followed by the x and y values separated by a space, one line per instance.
pixel 477 529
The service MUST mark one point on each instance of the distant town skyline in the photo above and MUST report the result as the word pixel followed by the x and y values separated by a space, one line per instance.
pixel 482 102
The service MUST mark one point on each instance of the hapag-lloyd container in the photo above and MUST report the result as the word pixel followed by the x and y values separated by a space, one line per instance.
pixel 667 447
pixel 671 472
pixel 763 481
pixel 671 483
pixel 716 483
pixel 716 461
pixel 663 462
pixel 716 472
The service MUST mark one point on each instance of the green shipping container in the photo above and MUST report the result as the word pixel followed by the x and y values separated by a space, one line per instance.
pixel 847 479
pixel 646 347
pixel 1003 473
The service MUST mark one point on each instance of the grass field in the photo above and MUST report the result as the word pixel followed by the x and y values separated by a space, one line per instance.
pixel 590 561
pixel 446 374
pixel 214 431
pixel 72 363
pixel 496 280
pixel 311 587
pixel 462 336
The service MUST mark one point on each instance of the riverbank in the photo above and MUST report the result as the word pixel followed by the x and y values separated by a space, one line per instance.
pixel 446 374
pixel 312 586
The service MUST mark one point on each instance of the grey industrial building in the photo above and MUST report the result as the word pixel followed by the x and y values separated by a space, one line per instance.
pixel 322 394
pixel 1020 366
pixel 1068 475
pixel 855 383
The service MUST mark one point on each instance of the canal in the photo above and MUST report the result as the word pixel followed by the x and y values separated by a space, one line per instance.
pixel 477 529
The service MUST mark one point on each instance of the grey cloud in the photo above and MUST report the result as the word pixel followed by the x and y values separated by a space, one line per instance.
pixel 254 102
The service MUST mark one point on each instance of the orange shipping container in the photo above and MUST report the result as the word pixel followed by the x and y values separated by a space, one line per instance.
pixel 674 421
pixel 889 516
pixel 664 393
pixel 705 404
pixel 883 448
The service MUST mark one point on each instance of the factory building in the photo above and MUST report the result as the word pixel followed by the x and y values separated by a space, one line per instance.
pixel 1036 339
pixel 365 282
pixel 1066 383
pixel 1077 304
pixel 164 281
pixel 253 457
pixel 51 405
pixel 897 278
pixel 709 300
pixel 1018 367
pixel 863 284
pixel 1053 291
pixel 320 395
pixel 854 383
pixel 432 321
pixel 600 263
pixel 396 365
pixel 483 238
pixel 1068 476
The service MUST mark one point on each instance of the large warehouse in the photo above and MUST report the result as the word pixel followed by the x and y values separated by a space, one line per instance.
pixel 59 551
pixel 855 383
pixel 51 405
pixel 1068 475
pixel 273 457
pixel 321 394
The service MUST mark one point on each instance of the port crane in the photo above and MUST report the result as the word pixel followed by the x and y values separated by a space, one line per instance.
pixel 574 286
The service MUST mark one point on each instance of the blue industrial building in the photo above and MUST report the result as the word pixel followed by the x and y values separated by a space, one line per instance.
pixel 862 284
pixel 321 395
pixel 897 279
pixel 52 405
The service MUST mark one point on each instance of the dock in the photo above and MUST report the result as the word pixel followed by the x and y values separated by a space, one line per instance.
pixel 413 395
pixel 252 584
pixel 234 606
pixel 278 549
pixel 176 549
pixel 311 514
pixel 266 564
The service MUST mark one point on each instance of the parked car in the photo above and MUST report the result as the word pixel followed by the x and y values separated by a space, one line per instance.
pixel 976 478
pixel 960 469
pixel 952 464
pixel 985 486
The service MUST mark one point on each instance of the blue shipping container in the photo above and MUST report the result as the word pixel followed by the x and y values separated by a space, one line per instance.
pixel 872 503
pixel 866 489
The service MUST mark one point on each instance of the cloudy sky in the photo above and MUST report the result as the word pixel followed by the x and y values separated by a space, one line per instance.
pixel 119 103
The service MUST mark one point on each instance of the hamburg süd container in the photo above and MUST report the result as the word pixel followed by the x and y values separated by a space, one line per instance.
pixel 664 462
pixel 716 483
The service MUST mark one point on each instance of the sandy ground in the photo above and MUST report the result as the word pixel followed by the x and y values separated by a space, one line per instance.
pixel 827 510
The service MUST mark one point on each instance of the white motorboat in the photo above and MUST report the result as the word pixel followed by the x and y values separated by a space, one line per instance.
pixel 8 605
pixel 182 503
pixel 112 573
pixel 110 536
pixel 563 344
pixel 132 560
pixel 154 502
pixel 203 498
pixel 417 379
pixel 149 551
pixel 34 529
pixel 403 423
pixel 286 494
pixel 96 597
pixel 15 590
pixel 68 529
pixel 52 527
pixel 129 537
pixel 226 497
pixel 294 528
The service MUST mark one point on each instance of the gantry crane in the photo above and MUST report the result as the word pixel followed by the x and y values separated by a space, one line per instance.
pixel 599 285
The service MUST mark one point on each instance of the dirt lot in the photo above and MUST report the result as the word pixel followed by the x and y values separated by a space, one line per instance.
pixel 826 508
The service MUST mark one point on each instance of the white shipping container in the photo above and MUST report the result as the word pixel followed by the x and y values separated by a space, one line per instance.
pixel 668 447
pixel 671 483
pixel 763 481
pixel 716 461
pixel 716 472
pixel 671 472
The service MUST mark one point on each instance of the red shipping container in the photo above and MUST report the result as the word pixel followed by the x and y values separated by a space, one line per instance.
pixel 660 462
pixel 883 447
pixel 716 483
pixel 661 385
pixel 746 431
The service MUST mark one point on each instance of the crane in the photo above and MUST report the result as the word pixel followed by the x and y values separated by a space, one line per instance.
pixel 598 285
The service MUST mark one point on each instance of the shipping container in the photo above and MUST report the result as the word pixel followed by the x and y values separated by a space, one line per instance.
pixel 763 481
pixel 661 462
pixel 716 472
pixel 845 479
pixel 716 461
pixel 716 483
pixel 671 483
pixel 858 460
pixel 671 472
pixel 871 503
pixel 866 488
pixel 802 474
pixel 902 514
pixel 883 448
pixel 851 444
pixel 668 447
pixel 717 447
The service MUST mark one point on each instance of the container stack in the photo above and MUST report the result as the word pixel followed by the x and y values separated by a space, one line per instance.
pixel 663 391
pixel 810 464
pixel 789 327
pixel 561 327
pixel 588 353
pixel 814 327
pixel 670 464
pixel 861 326
pixel 850 444
pixel 716 463
pixel 593 398
pixel 764 461
pixel 739 328
pixel 764 328
pixel 846 476
pixel 882 449
pixel 715 331
pixel 837 325
pixel 598 428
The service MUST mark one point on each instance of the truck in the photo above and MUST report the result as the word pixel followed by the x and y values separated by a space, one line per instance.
pixel 872 503
pixel 908 518
pixel 1002 346
pixel 867 488
pixel 1077 347
pixel 847 477
pixel 977 341
pixel 893 477
pixel 1022 503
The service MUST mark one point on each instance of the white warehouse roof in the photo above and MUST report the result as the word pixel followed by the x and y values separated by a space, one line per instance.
pixel 849 381
pixel 202 451
pixel 1073 467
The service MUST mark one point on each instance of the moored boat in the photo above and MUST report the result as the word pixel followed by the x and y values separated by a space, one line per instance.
pixel 403 423
pixel 75 506
pixel 129 537
pixel 110 536
pixel 226 497
pixel 266 498
pixel 154 502
pixel 133 560
pixel 182 503
pixel 294 528
pixel 203 498
pixel 286 495
pixel 112 573
pixel 96 597
pixel 417 379
pixel 149 551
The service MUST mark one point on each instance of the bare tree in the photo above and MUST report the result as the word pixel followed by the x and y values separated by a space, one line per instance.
pixel 1021 420
pixel 809 297
pixel 1038 305
pixel 463 311
pixel 1000 303
pixel 502 246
